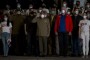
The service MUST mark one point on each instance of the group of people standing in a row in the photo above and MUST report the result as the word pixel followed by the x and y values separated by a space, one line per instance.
pixel 46 31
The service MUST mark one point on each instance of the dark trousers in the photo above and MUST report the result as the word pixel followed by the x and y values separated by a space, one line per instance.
pixel 76 46
pixel 18 44
pixel 32 45
pixel 1 47
pixel 14 45
pixel 53 43
pixel 63 43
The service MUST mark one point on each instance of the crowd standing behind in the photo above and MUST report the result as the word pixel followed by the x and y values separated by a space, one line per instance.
pixel 46 32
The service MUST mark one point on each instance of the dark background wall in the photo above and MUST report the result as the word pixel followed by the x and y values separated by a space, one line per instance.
pixel 37 3
pixel 24 3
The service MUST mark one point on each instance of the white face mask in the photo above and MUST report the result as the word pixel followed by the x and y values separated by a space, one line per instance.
pixel 64 5
pixel 18 12
pixel 18 6
pixel 60 13
pixel 8 11
pixel 88 6
pixel 53 12
pixel 88 15
pixel 45 15
pixel 63 11
pixel 84 17
pixel 5 18
pixel 30 7
pixel 40 11
pixel 76 12
pixel 7 6
pixel 68 12
pixel 42 16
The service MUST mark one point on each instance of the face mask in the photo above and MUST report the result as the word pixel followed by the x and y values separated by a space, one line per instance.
pixel 27 12
pixel 43 6
pixel 64 5
pixel 63 11
pixel 7 6
pixel 30 7
pixel 18 12
pixel 88 15
pixel 42 16
pixel 40 11
pixel 76 12
pixel 77 3
pixel 88 6
pixel 18 6
pixel 53 12
pixel 5 18
pixel 68 12
pixel 84 17
pixel 45 15
pixel 8 11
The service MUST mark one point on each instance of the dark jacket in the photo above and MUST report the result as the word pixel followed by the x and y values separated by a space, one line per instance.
pixel 30 27
pixel 76 21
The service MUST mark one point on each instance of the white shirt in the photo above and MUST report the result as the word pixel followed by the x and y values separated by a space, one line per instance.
pixel 84 24
pixel 5 28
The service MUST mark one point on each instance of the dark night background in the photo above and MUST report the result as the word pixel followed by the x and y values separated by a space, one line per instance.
pixel 24 3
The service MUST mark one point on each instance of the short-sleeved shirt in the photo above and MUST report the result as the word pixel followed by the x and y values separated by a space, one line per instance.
pixel 84 24
pixel 5 28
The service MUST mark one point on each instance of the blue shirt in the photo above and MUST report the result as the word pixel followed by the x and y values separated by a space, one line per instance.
pixel 62 27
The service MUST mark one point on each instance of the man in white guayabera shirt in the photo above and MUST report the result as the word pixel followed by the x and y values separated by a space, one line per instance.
pixel 84 29
pixel 82 2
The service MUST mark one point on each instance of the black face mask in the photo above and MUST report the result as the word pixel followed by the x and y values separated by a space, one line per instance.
pixel 77 3
pixel 31 12
pixel 19 9
pixel 32 15
pixel 43 6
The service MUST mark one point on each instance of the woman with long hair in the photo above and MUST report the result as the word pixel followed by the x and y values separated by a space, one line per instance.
pixel 6 28
pixel 84 30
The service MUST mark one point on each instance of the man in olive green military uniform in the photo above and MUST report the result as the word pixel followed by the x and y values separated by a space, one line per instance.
pixel 43 31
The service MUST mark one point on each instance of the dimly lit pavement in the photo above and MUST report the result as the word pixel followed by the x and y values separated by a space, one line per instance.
pixel 41 58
